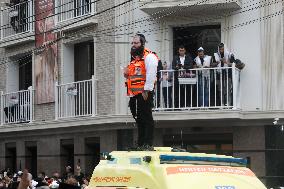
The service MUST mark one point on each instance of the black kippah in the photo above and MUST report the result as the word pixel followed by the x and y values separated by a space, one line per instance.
pixel 142 38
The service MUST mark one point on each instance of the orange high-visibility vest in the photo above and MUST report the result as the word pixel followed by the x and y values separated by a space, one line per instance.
pixel 137 75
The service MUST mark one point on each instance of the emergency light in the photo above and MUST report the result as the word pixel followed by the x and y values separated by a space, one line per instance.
pixel 170 158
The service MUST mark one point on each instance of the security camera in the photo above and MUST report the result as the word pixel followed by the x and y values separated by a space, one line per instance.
pixel 275 122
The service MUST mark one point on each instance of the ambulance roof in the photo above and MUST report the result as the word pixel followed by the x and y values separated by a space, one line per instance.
pixel 162 155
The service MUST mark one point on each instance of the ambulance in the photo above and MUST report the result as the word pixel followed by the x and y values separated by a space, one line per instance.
pixel 167 168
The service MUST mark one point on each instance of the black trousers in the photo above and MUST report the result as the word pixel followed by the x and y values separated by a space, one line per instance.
pixel 142 113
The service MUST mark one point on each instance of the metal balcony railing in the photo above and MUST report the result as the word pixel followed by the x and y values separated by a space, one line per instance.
pixel 69 9
pixel 202 88
pixel 17 19
pixel 17 107
pixel 75 99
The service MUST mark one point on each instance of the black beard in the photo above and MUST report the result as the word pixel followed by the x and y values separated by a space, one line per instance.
pixel 137 52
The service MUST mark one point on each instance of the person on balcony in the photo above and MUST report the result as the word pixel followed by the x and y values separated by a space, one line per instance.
pixel 158 84
pixel 18 14
pixel 167 85
pixel 12 106
pixel 223 59
pixel 203 61
pixel 14 15
pixel 141 75
pixel 180 63
pixel 17 108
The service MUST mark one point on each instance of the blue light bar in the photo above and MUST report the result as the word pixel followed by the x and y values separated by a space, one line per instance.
pixel 208 159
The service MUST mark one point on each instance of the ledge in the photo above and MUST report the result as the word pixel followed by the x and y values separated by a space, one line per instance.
pixel 162 119
pixel 76 23
pixel 188 7
pixel 17 39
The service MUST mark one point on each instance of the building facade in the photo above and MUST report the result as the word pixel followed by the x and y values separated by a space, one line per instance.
pixel 63 98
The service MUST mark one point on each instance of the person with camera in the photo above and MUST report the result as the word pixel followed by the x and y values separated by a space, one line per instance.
pixel 141 76
pixel 181 63
pixel 222 59
pixel 225 58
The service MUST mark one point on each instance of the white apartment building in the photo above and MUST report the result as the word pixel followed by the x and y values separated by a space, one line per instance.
pixel 69 107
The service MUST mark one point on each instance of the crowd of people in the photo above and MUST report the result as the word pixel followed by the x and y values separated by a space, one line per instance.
pixel 219 80
pixel 69 179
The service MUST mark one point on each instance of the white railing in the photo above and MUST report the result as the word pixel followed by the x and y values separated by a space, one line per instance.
pixel 17 19
pixel 69 9
pixel 17 107
pixel 202 88
pixel 75 99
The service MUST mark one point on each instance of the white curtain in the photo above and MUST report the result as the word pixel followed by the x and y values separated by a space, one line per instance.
pixel 272 57
pixel 227 33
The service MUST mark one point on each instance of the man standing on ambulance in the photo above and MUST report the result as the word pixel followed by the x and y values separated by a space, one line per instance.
pixel 141 77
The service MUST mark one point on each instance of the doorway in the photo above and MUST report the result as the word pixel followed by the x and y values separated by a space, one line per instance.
pixel 31 157
pixel 66 154
pixel 208 37
pixel 92 153
pixel 25 73
pixel 84 60
pixel 11 156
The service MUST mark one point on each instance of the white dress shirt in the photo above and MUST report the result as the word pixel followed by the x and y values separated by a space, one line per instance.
pixel 151 63
pixel 182 58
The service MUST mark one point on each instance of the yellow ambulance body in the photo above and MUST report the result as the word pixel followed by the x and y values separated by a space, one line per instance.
pixel 165 169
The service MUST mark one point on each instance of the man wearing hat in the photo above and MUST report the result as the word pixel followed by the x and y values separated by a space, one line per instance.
pixel 140 77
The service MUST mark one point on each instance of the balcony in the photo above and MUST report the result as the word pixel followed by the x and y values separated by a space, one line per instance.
pixel 198 89
pixel 17 107
pixel 75 99
pixel 73 14
pixel 186 8
pixel 17 24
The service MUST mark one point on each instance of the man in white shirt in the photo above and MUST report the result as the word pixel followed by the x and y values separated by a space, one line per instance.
pixel 225 58
pixel 181 92
pixel 141 75
pixel 203 61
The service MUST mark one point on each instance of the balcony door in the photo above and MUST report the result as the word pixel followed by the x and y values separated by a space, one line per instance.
pixel 84 60
pixel 84 69
pixel 25 73
pixel 208 37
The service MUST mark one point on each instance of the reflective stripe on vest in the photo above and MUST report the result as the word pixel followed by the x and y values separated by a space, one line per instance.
pixel 137 77
pixel 137 89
